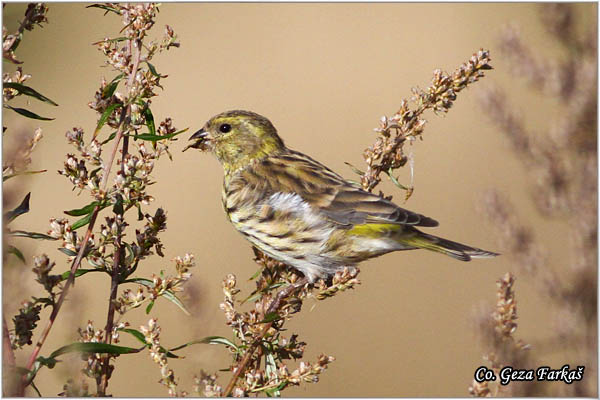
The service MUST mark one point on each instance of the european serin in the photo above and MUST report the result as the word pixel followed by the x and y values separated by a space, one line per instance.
pixel 300 212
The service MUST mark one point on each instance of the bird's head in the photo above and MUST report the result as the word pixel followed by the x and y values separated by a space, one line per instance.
pixel 237 138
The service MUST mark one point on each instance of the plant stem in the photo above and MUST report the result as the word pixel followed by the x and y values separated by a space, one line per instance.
pixel 274 306
pixel 116 270
pixel 77 262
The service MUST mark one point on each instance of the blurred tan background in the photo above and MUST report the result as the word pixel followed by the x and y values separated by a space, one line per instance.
pixel 323 74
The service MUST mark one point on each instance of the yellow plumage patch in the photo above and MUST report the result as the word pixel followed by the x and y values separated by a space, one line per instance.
pixel 374 230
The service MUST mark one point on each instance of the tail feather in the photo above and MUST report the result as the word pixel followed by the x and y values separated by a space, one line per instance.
pixel 453 249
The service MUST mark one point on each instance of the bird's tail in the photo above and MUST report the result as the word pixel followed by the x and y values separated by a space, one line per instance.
pixel 453 249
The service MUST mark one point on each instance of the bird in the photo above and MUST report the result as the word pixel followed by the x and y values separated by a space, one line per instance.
pixel 298 211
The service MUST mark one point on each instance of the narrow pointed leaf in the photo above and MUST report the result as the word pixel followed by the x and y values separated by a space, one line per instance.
pixel 65 275
pixel 395 181
pixel 82 211
pixel 111 137
pixel 21 209
pixel 136 334
pixel 82 222
pixel 169 295
pixel 208 340
pixel 31 235
pixel 13 250
pixel 86 220
pixel 140 336
pixel 105 7
pixel 155 138
pixel 36 389
pixel 105 116
pixel 150 121
pixel 68 252
pixel 354 169
pixel 153 70
pixel 118 206
pixel 27 113
pixel 26 90
pixel 270 317
pixel 93 348
pixel 109 90
pixel 7 177
pixel 255 275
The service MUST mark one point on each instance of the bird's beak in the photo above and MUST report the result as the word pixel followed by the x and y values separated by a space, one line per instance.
pixel 200 138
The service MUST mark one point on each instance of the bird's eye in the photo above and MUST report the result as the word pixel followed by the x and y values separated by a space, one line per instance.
pixel 224 128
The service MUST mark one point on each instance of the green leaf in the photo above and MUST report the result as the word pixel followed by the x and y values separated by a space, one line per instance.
pixel 257 293
pixel 109 90
pixel 7 177
pixel 36 389
pixel 155 138
pixel 208 340
pixel 118 206
pixel 153 70
pixel 169 295
pixel 105 116
pixel 149 307
pixel 275 392
pixel 68 252
pixel 136 334
pixel 93 348
pixel 150 120
pixel 27 113
pixel 26 90
pixel 65 275
pixel 255 275
pixel 82 222
pixel 13 250
pixel 21 209
pixel 111 137
pixel 105 7
pixel 270 317
pixel 394 180
pixel 252 297
pixel 140 336
pixel 354 169
pixel 82 211
pixel 31 235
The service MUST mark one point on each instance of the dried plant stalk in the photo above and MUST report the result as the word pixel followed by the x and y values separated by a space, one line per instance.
pixel 563 168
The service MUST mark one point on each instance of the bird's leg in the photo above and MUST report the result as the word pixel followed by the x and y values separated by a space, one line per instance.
pixel 282 294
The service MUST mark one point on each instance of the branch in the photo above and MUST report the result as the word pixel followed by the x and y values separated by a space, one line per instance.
pixel 274 306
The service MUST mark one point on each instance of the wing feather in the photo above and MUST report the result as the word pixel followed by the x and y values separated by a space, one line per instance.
pixel 327 192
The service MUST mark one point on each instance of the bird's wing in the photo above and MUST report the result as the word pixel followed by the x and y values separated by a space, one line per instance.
pixel 330 194
pixel 352 205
